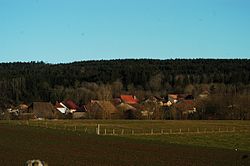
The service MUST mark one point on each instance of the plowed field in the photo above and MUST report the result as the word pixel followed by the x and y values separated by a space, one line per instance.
pixel 57 147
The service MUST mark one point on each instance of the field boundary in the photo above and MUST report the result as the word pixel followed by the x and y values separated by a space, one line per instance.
pixel 103 130
pixel 156 132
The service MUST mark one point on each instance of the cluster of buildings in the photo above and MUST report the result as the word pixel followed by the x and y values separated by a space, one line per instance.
pixel 175 106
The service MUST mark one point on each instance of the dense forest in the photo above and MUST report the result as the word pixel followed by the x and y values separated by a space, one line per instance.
pixel 82 81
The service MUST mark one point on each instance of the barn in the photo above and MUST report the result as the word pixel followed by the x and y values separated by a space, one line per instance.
pixel 103 110
pixel 44 110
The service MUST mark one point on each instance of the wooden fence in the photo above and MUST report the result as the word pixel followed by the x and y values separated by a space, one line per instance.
pixel 56 126
pixel 107 130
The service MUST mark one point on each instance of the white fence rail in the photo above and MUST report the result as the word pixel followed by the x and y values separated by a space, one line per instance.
pixel 110 131
pixel 99 129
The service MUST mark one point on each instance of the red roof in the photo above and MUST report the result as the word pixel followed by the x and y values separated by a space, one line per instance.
pixel 129 99
pixel 70 104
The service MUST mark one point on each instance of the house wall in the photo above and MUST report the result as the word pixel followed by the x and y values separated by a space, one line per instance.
pixel 79 115
pixel 97 112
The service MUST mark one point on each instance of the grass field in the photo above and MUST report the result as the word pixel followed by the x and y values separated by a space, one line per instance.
pixel 20 142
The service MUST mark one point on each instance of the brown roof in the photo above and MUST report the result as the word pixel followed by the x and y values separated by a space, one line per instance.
pixel 107 106
pixel 125 107
pixel 43 110
pixel 23 107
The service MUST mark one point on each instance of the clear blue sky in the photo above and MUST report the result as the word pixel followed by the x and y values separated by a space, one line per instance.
pixel 72 30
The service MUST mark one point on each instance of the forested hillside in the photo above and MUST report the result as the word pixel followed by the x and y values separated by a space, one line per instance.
pixel 82 81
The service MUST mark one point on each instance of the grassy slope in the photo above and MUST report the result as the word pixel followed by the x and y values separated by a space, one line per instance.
pixel 231 141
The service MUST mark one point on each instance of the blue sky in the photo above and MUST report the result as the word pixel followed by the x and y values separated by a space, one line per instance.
pixel 58 31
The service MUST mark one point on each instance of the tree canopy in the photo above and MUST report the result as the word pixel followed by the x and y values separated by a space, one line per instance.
pixel 85 80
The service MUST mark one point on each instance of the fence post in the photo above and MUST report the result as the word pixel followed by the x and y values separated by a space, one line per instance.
pixel 105 131
pixel 162 132
pixel 152 131
pixel 122 131
pixel 113 131
pixel 98 129
pixel 180 131
pixel 133 132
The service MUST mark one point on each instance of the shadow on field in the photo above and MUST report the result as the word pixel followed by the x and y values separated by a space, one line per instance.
pixel 21 143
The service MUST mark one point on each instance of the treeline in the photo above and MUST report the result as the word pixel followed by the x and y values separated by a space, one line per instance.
pixel 104 79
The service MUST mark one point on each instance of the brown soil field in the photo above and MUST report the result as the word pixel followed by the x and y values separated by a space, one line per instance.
pixel 57 147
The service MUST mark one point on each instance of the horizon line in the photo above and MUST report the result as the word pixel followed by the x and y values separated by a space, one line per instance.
pixel 119 59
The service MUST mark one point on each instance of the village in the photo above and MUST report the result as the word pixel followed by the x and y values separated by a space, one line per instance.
pixel 173 107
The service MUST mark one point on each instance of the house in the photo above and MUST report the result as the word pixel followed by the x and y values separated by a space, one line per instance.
pixel 185 108
pixel 173 98
pixel 80 113
pixel 100 109
pixel 204 94
pixel 71 105
pixel 151 99
pixel 44 110
pixel 129 99
pixel 23 112
pixel 145 114
pixel 9 114
pixel 14 111
pixel 129 112
pixel 152 108
pixel 189 106
pixel 168 104
pixel 116 101
pixel 22 107
pixel 61 107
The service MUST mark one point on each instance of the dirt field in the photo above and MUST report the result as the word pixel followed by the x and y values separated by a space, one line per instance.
pixel 59 147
